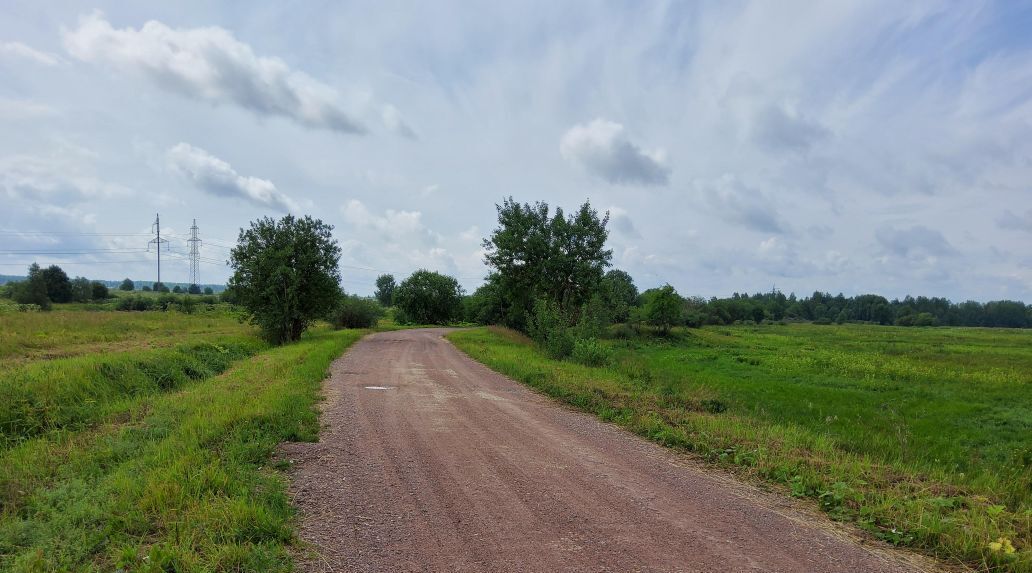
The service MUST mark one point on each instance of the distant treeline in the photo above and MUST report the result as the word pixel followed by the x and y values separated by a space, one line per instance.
pixel 826 308
pixel 138 285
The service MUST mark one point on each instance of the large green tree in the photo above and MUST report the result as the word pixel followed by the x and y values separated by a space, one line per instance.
pixel 534 254
pixel 663 307
pixel 428 297
pixel 385 286
pixel 33 290
pixel 619 294
pixel 285 274
pixel 82 290
pixel 59 286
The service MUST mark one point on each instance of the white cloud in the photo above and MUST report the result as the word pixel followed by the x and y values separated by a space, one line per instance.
pixel 393 121
pixel 52 180
pixel 211 64
pixel 392 225
pixel 217 177
pixel 603 149
pixel 20 50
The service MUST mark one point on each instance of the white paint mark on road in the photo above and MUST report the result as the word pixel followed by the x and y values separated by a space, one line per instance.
pixel 379 387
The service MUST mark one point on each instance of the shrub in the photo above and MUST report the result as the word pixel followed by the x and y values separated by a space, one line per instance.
pixel 32 290
pixel 127 285
pixel 99 291
pixel 595 318
pixel 623 332
pixel 550 329
pixel 591 352
pixel 138 303
pixel 356 312
pixel 925 319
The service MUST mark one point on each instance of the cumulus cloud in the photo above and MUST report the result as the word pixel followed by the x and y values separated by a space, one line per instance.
pixel 217 177
pixel 603 149
pixel 1016 222
pixel 917 241
pixel 21 51
pixel 210 64
pixel 392 224
pixel 735 202
pixel 53 181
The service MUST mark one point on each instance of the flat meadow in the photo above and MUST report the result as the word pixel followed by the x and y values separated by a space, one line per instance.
pixel 921 436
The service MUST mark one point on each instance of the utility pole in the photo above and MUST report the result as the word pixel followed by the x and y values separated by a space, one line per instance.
pixel 195 255
pixel 156 228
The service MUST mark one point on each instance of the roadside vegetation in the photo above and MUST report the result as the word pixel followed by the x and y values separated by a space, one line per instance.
pixel 920 436
pixel 173 481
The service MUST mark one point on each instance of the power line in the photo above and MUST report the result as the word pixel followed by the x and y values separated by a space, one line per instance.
pixel 78 252
pixel 62 233
pixel 78 263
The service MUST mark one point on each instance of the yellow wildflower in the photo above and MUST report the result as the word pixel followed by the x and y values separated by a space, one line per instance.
pixel 1002 544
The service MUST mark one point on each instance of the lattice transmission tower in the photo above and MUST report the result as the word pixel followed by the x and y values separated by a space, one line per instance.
pixel 195 255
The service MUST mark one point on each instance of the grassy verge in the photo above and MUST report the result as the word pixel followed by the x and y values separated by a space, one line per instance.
pixel 71 393
pixel 873 425
pixel 177 481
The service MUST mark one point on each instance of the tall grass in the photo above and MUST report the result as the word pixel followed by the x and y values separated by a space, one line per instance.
pixel 179 481
pixel 30 336
pixel 70 393
pixel 920 436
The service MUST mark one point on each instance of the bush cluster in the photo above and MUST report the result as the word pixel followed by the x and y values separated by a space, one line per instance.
pixel 356 312
pixel 182 303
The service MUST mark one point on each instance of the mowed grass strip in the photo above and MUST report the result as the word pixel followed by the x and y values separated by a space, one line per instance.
pixel 920 436
pixel 181 483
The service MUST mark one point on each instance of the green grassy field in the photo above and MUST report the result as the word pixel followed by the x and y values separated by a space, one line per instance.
pixel 31 336
pixel 142 441
pixel 921 436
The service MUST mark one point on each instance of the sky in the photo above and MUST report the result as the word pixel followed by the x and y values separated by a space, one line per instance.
pixel 849 146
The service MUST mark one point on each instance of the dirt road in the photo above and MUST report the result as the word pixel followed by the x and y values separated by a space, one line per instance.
pixel 431 462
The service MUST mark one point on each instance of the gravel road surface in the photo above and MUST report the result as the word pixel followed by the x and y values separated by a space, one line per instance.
pixel 429 461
